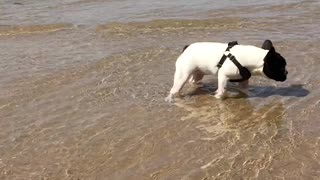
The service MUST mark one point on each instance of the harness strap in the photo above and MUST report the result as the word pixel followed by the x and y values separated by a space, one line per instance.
pixel 224 57
pixel 234 60
pixel 244 72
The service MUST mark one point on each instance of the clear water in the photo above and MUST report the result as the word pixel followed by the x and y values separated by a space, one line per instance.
pixel 82 90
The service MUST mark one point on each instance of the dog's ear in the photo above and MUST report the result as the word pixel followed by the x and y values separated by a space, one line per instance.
pixel 272 50
pixel 267 45
pixel 270 55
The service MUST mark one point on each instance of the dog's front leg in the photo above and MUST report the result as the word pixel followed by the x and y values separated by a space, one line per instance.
pixel 244 87
pixel 222 85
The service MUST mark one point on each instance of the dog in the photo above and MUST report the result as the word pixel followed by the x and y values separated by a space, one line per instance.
pixel 201 58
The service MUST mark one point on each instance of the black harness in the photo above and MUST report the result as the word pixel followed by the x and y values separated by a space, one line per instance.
pixel 244 72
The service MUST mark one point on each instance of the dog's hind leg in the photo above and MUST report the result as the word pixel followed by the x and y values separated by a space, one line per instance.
pixel 180 78
pixel 195 77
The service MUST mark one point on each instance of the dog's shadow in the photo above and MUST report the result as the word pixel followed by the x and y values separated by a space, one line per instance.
pixel 295 90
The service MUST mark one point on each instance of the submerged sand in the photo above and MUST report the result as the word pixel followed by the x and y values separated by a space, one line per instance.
pixel 87 102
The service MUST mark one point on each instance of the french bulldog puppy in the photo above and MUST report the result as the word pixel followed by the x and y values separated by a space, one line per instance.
pixel 201 58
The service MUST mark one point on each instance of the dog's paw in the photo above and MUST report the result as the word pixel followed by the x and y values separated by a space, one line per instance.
pixel 219 96
pixel 169 99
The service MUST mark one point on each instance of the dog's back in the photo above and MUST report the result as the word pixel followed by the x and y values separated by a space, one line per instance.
pixel 206 55
pixel 202 55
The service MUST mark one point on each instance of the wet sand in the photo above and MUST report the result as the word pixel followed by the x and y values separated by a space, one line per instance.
pixel 87 101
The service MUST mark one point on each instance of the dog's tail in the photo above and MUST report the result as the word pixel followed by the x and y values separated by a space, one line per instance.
pixel 185 47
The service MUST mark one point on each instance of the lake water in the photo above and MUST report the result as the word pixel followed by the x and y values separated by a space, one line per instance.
pixel 83 82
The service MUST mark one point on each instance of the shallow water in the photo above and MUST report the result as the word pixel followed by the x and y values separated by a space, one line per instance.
pixel 82 90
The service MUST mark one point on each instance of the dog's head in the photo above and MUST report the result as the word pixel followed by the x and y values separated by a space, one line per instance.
pixel 274 64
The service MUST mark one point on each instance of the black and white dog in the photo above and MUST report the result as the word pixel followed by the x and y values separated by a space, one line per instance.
pixel 202 58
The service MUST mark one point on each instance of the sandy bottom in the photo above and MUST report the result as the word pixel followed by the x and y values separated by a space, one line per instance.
pixel 79 102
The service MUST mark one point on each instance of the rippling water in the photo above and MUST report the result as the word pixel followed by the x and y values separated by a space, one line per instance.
pixel 83 82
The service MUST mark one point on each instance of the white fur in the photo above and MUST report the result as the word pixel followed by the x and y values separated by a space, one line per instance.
pixel 202 58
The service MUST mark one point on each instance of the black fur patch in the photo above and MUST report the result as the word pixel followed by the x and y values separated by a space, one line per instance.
pixel 185 47
pixel 274 65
